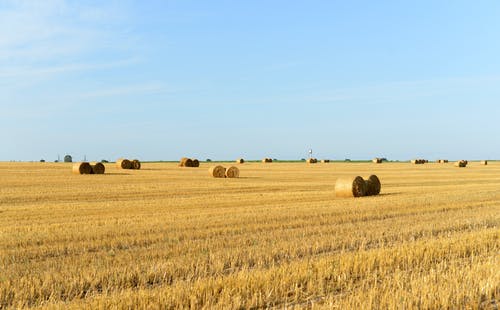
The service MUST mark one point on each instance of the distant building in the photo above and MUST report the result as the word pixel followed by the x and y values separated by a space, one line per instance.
pixel 68 159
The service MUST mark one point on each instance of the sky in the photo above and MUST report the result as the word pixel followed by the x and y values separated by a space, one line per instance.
pixel 159 80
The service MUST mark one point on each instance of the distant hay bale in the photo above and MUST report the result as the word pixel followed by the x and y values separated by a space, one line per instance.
pixel 136 164
pixel 350 187
pixel 484 162
pixel 267 160
pixel 442 161
pixel 418 161
pixel 98 168
pixel 217 171
pixel 182 162
pixel 123 163
pixel 324 161
pixel 240 161
pixel 311 160
pixel 232 172
pixel 377 160
pixel 82 168
pixel 186 162
pixel 373 185
pixel 461 163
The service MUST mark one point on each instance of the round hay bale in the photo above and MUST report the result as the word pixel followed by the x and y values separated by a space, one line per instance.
pixel 232 172
pixel 324 161
pixel 136 164
pixel 414 161
pixel 461 163
pixel 311 160
pixel 350 187
pixel 217 171
pixel 267 160
pixel 124 164
pixel 98 168
pixel 373 185
pixel 240 161
pixel 484 162
pixel 182 162
pixel 377 160
pixel 82 168
pixel 195 163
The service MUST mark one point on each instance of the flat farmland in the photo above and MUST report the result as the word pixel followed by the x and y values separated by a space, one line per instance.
pixel 172 237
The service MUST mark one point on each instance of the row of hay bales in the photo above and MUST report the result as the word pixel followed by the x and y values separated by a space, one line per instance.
pixel 315 161
pixel 357 186
pixel 188 162
pixel 123 163
pixel 377 160
pixel 267 160
pixel 222 172
pixel 88 168
pixel 419 161
pixel 442 161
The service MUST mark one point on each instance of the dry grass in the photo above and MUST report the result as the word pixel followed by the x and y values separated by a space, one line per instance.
pixel 165 238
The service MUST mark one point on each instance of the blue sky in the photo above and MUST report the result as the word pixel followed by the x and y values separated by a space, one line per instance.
pixel 159 80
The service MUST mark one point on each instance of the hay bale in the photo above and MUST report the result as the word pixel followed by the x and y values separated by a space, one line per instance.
pixel 484 162
pixel 97 168
pixel 195 163
pixel 324 161
pixel 350 187
pixel 232 172
pixel 124 163
pixel 240 161
pixel 136 164
pixel 373 185
pixel 377 160
pixel 182 162
pixel 442 161
pixel 461 163
pixel 82 168
pixel 311 160
pixel 267 160
pixel 217 171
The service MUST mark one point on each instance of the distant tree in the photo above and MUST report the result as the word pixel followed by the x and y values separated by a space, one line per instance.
pixel 104 161
pixel 42 160
pixel 68 159
pixel 208 160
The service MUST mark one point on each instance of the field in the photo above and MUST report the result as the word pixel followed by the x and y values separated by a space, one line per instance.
pixel 171 237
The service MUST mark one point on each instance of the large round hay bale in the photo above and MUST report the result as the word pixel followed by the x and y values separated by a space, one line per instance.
pixel 136 164
pixel 414 161
pixel 195 163
pixel 377 160
pixel 373 185
pixel 82 168
pixel 186 162
pixel 267 160
pixel 484 162
pixel 311 160
pixel 124 164
pixel 324 161
pixel 217 171
pixel 182 162
pixel 240 161
pixel 350 187
pixel 461 163
pixel 232 172
pixel 98 168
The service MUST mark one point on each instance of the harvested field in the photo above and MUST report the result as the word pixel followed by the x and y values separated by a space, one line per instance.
pixel 164 237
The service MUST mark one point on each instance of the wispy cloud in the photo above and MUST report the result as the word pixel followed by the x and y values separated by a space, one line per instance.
pixel 147 88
